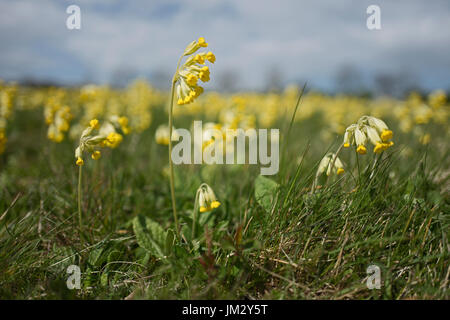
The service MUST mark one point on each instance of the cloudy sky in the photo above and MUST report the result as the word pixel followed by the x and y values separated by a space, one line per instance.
pixel 295 40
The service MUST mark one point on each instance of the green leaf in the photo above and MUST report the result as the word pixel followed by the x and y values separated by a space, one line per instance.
pixel 150 236
pixel 169 241
pixel 104 279
pixel 95 257
pixel 265 191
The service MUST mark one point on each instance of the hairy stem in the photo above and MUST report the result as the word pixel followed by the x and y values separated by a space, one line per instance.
pixel 172 182
pixel 80 218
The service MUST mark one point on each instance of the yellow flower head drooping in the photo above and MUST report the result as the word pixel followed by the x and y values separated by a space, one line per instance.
pixel 330 160
pixel 206 198
pixel 368 129
pixel 96 136
pixel 193 69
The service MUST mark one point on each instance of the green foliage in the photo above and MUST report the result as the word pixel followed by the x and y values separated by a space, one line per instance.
pixel 265 192
pixel 152 237
pixel 266 240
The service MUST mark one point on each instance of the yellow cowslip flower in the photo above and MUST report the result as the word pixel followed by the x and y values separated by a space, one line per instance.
pixel 361 149
pixel 79 161
pixel 206 198
pixel 94 124
pixel 326 163
pixel 202 42
pixel 200 58
pixel 211 57
pixel 113 140
pixel 191 80
pixel 194 46
pixel 378 133
pixel 89 140
pixel 349 135
pixel 368 128
pixel 96 155
pixel 204 74
pixel 360 140
pixel 386 135
pixel 193 69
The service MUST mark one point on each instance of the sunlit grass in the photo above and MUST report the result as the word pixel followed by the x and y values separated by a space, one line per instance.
pixel 392 212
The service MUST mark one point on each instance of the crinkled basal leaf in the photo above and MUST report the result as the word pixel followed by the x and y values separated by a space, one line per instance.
pixel 265 191
pixel 150 236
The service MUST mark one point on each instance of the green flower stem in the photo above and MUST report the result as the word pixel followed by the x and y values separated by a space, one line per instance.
pixel 80 218
pixel 172 180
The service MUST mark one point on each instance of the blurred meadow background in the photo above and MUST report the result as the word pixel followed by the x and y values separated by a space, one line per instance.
pixel 308 68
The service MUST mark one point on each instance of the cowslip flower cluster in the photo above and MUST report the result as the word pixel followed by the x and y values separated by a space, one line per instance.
pixel 193 70
pixel 112 137
pixel 368 129
pixel 207 199
pixel 330 160
pixel 90 140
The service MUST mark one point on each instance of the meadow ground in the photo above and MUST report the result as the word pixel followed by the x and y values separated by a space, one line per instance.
pixel 267 240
